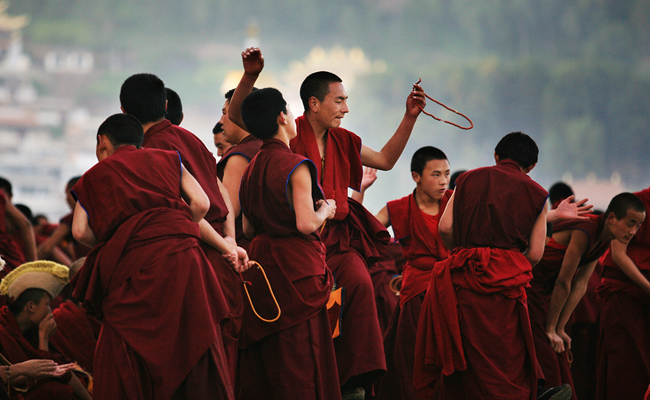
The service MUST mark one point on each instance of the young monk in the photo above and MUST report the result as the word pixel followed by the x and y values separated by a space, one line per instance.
pixel 283 206
pixel 354 238
pixel 26 325
pixel 143 96
pixel 474 327
pixel 561 277
pixel 624 347
pixel 232 164
pixel 219 141
pixel 160 299
pixel 11 251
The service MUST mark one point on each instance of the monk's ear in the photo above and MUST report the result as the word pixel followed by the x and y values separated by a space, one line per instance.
pixel 416 177
pixel 282 119
pixel 496 158
pixel 313 104
pixel 530 168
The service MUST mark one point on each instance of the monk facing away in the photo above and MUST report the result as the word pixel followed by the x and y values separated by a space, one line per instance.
pixel 354 238
pixel 160 298
pixel 291 357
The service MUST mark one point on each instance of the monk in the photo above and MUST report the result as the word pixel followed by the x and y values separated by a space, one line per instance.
pixel 232 164
pixel 219 141
pixel 174 107
pixel 291 357
pixel 354 238
pixel 561 277
pixel 26 326
pixel 474 328
pixel 143 96
pixel 11 251
pixel 624 347
pixel 159 297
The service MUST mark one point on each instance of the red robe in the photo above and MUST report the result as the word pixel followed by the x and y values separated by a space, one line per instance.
pixel 16 348
pixel 624 347
pixel 200 162
pixel 247 148
pixel 474 326
pixel 159 297
pixel 353 240
pixel 556 367
pixel 75 334
pixel 422 246
pixel 292 357
pixel 10 250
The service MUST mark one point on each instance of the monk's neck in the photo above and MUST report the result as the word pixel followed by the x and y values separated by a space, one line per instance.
pixel 427 204
pixel 23 322
pixel 243 136
pixel 145 127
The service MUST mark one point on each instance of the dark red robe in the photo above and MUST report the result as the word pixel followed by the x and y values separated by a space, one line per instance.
pixel 624 347
pixel 422 246
pixel 76 334
pixel 247 148
pixel 353 240
pixel 200 162
pixel 10 250
pixel 16 348
pixel 556 367
pixel 474 326
pixel 160 300
pixel 292 357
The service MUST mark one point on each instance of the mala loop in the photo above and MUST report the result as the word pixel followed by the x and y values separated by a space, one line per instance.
pixel 569 356
pixel 250 301
pixel 471 124
pixel 394 284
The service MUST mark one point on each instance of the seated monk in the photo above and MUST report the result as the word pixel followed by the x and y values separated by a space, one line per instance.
pixel 26 325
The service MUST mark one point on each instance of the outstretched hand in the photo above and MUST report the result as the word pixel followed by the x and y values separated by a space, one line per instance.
pixel 568 210
pixel 369 177
pixel 253 61
pixel 416 101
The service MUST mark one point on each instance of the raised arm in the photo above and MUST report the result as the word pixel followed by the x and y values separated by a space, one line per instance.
pixel 629 268
pixel 253 65
pixel 308 220
pixel 386 158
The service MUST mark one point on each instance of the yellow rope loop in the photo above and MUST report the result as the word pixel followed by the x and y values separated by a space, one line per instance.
pixel 394 283
pixel 569 356
pixel 272 295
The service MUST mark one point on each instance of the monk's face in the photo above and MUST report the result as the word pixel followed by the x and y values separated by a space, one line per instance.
pixel 334 106
pixel 434 179
pixel 625 228
pixel 232 133
pixel 40 310
pixel 221 144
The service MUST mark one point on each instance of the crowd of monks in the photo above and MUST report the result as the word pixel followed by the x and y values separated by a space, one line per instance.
pixel 257 276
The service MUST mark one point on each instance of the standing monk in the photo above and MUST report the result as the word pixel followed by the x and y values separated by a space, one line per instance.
pixel 283 206
pixel 474 326
pixel 143 96
pixel 159 296
pixel 232 164
pixel 354 236
pixel 624 347
pixel 561 277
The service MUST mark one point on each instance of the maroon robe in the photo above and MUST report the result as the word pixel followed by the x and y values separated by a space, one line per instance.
pixel 10 250
pixel 354 239
pixel 624 347
pixel 200 162
pixel 292 357
pixel 247 148
pixel 76 334
pixel 16 348
pixel 422 246
pixel 556 367
pixel 159 297
pixel 486 351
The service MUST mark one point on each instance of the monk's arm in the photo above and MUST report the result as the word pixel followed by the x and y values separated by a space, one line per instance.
pixel 194 196
pixel 81 229
pixel 229 224
pixel 629 268
pixel 247 227
pixel 25 229
pixel 383 216
pixel 369 177
pixel 569 210
pixel 46 248
pixel 578 290
pixel 253 65
pixel 578 245
pixel 386 158
pixel 446 224
pixel 307 220
pixel 537 239
pixel 232 175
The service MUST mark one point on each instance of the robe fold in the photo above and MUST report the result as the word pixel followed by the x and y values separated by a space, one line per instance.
pixel 247 148
pixel 486 351
pixel 200 162
pixel 159 298
pixel 353 240
pixel 292 357
pixel 16 349
pixel 624 346
pixel 556 367
pixel 75 334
